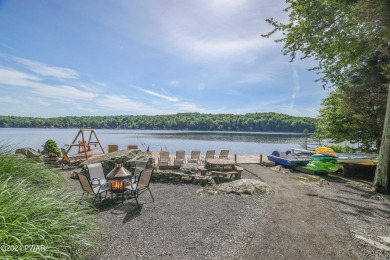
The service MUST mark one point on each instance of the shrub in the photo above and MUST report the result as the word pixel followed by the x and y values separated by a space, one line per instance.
pixel 51 149
pixel 36 210
pixel 341 148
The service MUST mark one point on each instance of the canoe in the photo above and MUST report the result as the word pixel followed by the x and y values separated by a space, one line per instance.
pixel 324 153
pixel 363 159
pixel 300 152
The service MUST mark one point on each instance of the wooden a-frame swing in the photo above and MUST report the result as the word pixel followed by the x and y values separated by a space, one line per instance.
pixel 85 146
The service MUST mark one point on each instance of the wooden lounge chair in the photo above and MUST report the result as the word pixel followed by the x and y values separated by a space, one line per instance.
pixel 180 158
pixel 195 157
pixel 224 154
pixel 210 154
pixel 132 147
pixel 112 148
pixel 67 160
pixel 164 159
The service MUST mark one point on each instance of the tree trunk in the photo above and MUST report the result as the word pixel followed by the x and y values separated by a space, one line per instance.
pixel 382 174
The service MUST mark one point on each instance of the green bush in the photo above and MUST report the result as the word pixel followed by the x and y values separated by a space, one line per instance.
pixel 51 149
pixel 35 210
pixel 341 148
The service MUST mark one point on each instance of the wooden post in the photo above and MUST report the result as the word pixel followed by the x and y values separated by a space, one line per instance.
pixel 235 158
pixel 261 159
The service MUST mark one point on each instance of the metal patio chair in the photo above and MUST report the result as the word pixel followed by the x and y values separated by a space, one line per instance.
pixel 88 189
pixel 96 174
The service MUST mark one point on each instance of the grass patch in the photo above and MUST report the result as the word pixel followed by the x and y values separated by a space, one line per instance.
pixel 36 211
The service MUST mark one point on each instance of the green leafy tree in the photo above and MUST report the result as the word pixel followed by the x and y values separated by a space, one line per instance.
pixel 342 35
pixel 51 149
pixel 181 121
pixel 355 111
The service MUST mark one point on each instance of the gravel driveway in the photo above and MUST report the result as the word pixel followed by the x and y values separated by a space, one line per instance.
pixel 341 220
pixel 179 224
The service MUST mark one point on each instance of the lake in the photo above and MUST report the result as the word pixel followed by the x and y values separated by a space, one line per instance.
pixel 157 140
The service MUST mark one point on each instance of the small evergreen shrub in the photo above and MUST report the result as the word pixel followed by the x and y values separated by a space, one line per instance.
pixel 51 149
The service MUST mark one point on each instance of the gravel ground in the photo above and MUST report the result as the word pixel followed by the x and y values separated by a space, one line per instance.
pixel 181 225
pixel 178 224
pixel 366 213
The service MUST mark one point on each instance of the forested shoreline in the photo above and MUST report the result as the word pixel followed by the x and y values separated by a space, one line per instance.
pixel 251 122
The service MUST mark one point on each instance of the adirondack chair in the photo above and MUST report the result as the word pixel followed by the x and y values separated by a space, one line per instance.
pixel 164 158
pixel 195 157
pixel 210 154
pixel 224 154
pixel 180 158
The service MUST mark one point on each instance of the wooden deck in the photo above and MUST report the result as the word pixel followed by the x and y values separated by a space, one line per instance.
pixel 240 158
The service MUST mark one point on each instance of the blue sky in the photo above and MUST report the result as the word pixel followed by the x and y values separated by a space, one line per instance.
pixel 124 57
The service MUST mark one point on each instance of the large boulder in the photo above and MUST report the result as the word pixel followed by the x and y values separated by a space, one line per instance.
pixel 126 157
pixel 240 187
pixel 189 168
pixel 30 153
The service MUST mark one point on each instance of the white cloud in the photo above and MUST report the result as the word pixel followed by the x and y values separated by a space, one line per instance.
pixel 10 100
pixel 188 107
pixel 40 101
pixel 34 84
pixel 63 92
pixel 46 70
pixel 13 77
pixel 119 103
pixel 174 83
pixel 152 93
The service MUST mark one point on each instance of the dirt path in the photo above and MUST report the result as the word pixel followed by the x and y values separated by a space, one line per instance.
pixel 298 224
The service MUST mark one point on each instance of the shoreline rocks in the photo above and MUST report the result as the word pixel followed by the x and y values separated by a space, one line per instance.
pixel 239 187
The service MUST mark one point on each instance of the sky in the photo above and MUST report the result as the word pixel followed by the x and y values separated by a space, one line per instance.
pixel 127 57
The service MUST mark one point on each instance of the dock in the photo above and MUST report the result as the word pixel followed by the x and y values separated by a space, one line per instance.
pixel 239 158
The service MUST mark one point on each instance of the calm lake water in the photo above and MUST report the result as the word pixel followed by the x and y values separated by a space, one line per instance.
pixel 236 142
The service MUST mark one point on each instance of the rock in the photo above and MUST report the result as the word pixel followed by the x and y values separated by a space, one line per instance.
pixel 127 157
pixel 30 153
pixel 186 178
pixel 240 187
pixel 279 168
pixel 189 168
pixel 312 179
pixel 268 163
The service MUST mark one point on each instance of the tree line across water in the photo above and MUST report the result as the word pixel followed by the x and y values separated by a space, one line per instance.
pixel 259 122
